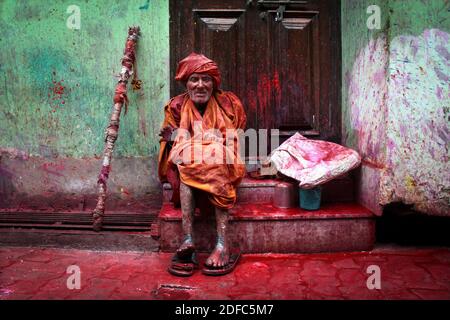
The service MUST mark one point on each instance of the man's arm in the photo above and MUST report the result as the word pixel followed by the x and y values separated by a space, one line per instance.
pixel 171 122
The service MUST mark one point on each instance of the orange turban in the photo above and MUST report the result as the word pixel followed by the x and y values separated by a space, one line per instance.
pixel 197 63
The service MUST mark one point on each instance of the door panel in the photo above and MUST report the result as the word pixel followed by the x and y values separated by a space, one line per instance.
pixel 283 62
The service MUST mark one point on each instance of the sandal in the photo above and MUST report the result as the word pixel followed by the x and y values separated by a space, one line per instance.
pixel 183 267
pixel 219 271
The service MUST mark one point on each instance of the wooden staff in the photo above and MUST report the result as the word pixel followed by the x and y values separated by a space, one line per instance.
pixel 112 131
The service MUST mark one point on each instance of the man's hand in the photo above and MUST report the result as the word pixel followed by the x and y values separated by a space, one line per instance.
pixel 166 133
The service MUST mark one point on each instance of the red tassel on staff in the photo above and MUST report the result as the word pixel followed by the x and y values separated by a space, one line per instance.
pixel 112 131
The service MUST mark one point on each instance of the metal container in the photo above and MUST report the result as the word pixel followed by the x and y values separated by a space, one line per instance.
pixel 285 195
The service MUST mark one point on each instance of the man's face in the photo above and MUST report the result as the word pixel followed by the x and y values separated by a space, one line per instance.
pixel 200 87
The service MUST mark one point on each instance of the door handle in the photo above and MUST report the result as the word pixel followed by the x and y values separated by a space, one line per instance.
pixel 264 5
pixel 272 3
pixel 280 11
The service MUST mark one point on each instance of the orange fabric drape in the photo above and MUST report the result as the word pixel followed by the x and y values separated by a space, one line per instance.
pixel 200 156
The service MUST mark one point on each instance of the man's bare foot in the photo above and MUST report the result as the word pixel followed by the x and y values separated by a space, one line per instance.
pixel 187 248
pixel 219 257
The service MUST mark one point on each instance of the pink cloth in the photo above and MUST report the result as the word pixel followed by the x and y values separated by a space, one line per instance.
pixel 313 162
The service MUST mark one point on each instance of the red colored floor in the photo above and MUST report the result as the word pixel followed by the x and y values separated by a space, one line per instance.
pixel 406 273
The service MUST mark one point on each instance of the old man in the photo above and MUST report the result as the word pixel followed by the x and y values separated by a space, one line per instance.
pixel 199 152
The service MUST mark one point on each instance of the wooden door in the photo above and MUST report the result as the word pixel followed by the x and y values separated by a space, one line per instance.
pixel 280 57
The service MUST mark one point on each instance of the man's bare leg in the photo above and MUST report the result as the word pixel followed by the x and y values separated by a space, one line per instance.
pixel 221 253
pixel 187 208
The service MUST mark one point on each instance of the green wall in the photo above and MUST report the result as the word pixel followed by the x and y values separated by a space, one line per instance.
pixel 412 17
pixel 57 83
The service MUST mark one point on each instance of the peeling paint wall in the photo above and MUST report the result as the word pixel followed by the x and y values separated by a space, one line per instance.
pixel 419 106
pixel 396 102
pixel 57 87
pixel 364 93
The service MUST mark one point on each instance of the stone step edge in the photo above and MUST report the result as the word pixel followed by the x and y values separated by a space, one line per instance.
pixel 26 230
pixel 79 239
pixel 84 212
pixel 247 184
pixel 326 212
pixel 262 183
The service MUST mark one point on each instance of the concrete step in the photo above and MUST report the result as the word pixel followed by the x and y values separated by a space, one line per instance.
pixel 262 228
pixel 79 239
pixel 262 190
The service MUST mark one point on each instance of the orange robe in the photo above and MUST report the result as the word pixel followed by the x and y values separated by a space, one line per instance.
pixel 201 156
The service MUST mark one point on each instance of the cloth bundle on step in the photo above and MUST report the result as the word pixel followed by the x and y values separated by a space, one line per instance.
pixel 313 162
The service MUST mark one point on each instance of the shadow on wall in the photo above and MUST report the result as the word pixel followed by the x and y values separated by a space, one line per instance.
pixel 402 225
pixel 7 188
